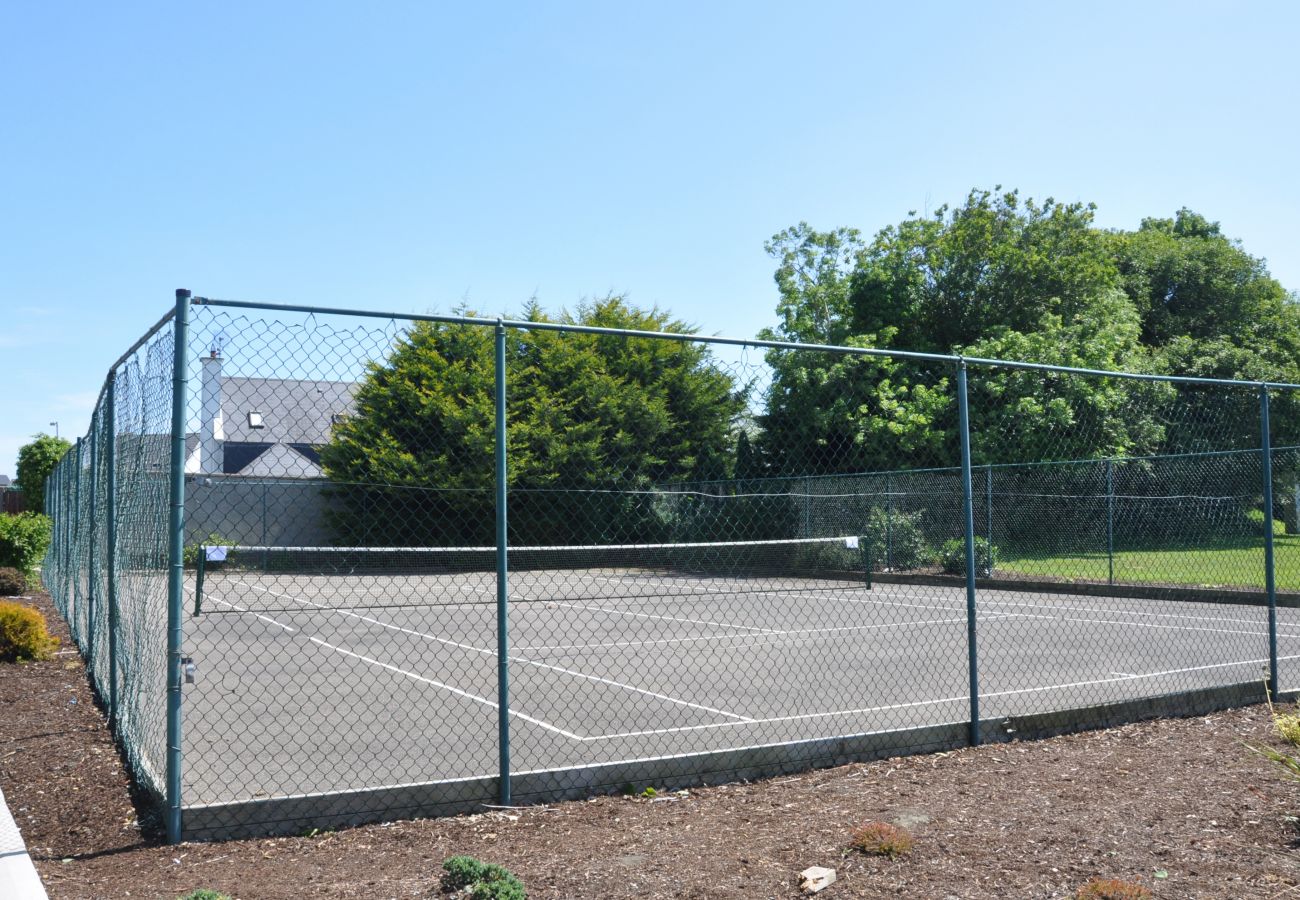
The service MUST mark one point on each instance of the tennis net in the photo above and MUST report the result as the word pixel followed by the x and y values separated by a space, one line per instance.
pixel 260 579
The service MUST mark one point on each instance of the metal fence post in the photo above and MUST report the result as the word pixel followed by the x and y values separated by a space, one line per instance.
pixel 176 563
pixel 110 477
pixel 1270 583
pixel 503 605
pixel 92 532
pixel 988 512
pixel 74 550
pixel 889 522
pixel 968 509
pixel 1110 521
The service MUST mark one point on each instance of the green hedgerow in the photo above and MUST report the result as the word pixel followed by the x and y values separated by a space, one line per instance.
pixel 23 634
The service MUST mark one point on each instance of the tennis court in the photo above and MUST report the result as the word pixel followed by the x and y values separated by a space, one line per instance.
pixel 351 678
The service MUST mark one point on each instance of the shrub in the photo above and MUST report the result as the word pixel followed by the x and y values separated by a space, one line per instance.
pixel 23 634
pixel 205 894
pixel 12 582
pixel 882 839
pixel 1286 724
pixel 486 881
pixel 953 556
pixel 24 538
pixel 1112 889
pixel 1256 518
pixel 897 541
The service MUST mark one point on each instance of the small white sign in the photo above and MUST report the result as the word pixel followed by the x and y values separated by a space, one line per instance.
pixel 216 554
pixel 850 542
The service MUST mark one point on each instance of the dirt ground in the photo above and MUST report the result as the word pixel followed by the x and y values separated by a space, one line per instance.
pixel 1181 807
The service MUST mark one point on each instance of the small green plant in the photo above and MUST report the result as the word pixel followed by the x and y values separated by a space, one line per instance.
pixel 882 839
pixel 23 634
pixel 953 556
pixel 24 538
pixel 1112 889
pixel 205 894
pixel 648 794
pixel 12 582
pixel 1286 724
pixel 485 881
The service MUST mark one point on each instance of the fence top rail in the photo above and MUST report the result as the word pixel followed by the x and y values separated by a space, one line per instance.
pixel 738 342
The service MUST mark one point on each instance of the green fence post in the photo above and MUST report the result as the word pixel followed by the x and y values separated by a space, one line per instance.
pixel 968 510
pixel 988 512
pixel 889 522
pixel 176 563
pixel 110 476
pixel 74 544
pixel 503 603
pixel 1270 584
pixel 92 532
pixel 1110 521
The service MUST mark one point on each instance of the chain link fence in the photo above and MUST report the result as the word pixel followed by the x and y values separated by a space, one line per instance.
pixel 333 567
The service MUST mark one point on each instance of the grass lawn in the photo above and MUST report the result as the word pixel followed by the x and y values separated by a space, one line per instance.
pixel 1235 565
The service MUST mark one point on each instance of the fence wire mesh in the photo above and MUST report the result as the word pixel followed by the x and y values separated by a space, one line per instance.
pixel 720 561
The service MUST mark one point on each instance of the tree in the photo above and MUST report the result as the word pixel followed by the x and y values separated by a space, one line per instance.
pixel 997 277
pixel 35 463
pixel 594 422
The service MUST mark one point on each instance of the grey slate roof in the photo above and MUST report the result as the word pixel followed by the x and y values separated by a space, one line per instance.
pixel 292 411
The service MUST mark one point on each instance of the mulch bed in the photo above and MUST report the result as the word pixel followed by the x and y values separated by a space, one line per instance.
pixel 1179 806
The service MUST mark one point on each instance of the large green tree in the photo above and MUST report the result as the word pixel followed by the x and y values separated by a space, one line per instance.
pixel 36 461
pixel 593 419
pixel 999 277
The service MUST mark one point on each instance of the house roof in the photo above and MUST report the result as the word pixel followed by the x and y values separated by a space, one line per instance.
pixel 282 411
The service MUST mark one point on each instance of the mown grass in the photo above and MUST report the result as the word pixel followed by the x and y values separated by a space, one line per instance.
pixel 1235 564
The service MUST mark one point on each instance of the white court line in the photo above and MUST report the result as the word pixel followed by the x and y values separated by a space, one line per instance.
pixel 1122 612
pixel 1139 624
pixel 961 698
pixel 518 659
pixel 636 615
pixel 764 639
pixel 236 606
pixel 457 691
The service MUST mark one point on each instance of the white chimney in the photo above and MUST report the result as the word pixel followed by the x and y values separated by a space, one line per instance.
pixel 212 433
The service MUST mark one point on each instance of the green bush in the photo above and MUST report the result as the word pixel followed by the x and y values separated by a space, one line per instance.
pixel 953 556
pixel 897 541
pixel 487 881
pixel 1256 518
pixel 205 894
pixel 24 538
pixel 12 582
pixel 23 634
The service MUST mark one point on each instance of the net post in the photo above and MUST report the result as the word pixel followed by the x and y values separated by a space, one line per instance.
pixel 1110 521
pixel 176 566
pixel 1270 582
pixel 503 604
pixel 110 476
pixel 200 567
pixel 968 511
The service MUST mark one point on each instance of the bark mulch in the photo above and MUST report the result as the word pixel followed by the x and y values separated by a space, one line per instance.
pixel 1179 806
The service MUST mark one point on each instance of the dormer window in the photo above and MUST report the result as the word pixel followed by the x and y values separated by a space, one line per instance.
pixel 255 420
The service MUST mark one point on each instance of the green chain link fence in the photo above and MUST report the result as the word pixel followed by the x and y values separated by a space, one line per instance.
pixel 400 566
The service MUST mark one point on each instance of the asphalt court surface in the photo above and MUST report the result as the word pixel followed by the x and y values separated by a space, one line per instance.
pixel 314 685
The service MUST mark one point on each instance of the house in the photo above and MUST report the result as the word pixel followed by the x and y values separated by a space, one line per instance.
pixel 264 427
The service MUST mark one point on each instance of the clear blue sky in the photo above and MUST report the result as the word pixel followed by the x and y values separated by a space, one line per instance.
pixel 408 156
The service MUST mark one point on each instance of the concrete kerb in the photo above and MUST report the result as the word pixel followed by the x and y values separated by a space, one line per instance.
pixel 18 878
